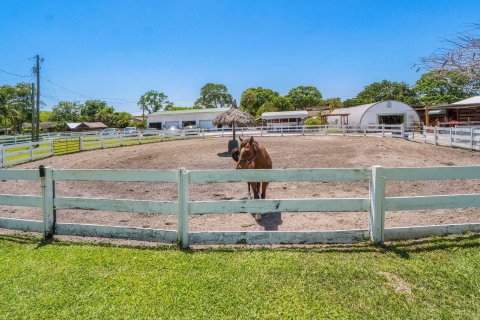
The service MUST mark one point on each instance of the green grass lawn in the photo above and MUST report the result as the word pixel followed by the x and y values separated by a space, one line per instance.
pixel 430 279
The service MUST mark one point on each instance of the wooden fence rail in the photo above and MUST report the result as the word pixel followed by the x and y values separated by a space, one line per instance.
pixel 376 204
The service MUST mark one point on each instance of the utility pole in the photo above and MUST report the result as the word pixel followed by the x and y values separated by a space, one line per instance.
pixel 34 116
pixel 36 70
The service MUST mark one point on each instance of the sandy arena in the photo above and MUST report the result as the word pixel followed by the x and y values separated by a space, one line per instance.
pixel 286 152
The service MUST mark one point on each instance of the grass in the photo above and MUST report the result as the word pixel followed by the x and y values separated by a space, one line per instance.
pixel 437 278
pixel 65 147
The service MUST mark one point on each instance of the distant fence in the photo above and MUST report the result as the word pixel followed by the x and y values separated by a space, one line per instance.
pixel 63 143
pixel 376 204
pixel 460 137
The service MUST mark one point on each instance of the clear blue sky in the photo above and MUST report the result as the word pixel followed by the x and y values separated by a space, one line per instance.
pixel 120 49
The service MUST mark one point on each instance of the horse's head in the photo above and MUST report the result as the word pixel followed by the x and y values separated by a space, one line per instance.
pixel 246 153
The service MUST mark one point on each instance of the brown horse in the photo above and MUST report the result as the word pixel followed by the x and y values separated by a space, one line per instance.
pixel 251 155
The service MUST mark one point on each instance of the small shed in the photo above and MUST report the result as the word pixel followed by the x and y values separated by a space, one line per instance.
pixel 85 126
pixel 383 112
pixel 284 118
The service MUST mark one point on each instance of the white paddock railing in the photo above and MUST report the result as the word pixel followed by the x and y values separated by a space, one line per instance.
pixel 52 144
pixel 460 137
pixel 376 204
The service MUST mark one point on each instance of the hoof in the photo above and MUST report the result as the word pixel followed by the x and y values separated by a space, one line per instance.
pixel 258 216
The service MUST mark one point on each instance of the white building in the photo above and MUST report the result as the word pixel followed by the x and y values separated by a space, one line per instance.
pixel 284 118
pixel 199 118
pixel 387 112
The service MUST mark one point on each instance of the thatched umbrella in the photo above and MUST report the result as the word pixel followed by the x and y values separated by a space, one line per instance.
pixel 233 117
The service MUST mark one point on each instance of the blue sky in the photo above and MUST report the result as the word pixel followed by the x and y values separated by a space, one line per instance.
pixel 117 50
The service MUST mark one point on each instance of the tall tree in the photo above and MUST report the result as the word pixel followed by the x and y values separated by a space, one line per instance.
pixel 121 119
pixel 67 111
pixel 214 96
pixel 387 90
pixel 445 86
pixel 106 115
pixel 304 97
pixel 276 104
pixel 15 104
pixel 461 53
pixel 253 98
pixel 90 109
pixel 153 101
pixel 7 100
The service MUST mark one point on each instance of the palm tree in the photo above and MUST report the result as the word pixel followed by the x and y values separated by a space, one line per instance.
pixel 7 103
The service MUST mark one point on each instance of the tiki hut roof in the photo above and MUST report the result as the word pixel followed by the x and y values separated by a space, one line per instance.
pixel 234 115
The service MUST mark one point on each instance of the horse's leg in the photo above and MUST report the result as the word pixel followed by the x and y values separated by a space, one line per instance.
pixel 255 189
pixel 264 189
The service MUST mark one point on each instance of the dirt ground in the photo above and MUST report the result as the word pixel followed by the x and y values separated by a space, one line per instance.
pixel 286 152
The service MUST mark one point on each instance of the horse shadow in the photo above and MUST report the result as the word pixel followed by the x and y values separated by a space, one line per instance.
pixel 225 154
pixel 270 220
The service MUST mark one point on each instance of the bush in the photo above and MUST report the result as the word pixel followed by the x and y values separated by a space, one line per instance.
pixel 313 122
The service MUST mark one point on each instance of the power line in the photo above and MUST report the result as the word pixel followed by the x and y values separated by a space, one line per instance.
pixel 14 74
pixel 13 62
pixel 89 97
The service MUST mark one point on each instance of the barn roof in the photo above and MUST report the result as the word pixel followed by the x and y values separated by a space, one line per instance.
pixel 211 110
pixel 285 114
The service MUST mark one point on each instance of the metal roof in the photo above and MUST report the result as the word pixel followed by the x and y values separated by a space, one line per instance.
pixel 211 110
pixel 355 112
pixel 285 114
pixel 472 100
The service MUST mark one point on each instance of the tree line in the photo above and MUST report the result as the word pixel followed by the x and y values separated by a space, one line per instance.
pixel 453 74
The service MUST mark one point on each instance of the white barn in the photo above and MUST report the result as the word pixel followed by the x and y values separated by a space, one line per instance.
pixel 284 118
pixel 386 112
pixel 199 118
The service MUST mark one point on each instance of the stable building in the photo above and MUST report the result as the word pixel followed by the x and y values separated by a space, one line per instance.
pixel 462 113
pixel 196 118
pixel 383 112
pixel 284 118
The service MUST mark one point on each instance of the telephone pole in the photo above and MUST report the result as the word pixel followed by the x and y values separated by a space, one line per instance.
pixel 34 116
pixel 36 70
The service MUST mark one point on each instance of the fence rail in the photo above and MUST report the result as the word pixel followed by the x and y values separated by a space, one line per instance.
pixel 460 137
pixel 376 204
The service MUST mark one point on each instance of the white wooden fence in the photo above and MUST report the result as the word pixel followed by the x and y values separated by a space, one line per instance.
pixel 460 137
pixel 376 204
pixel 13 154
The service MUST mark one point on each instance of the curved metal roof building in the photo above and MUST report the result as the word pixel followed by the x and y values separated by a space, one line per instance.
pixel 388 112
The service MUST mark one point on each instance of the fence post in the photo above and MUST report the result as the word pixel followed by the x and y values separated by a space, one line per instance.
pixel 48 194
pixel 435 137
pixel 451 138
pixel 377 208
pixel 472 138
pixel 261 131
pixel 30 150
pixel 203 133
pixel 383 129
pixel 81 143
pixel 402 130
pixel 365 131
pixel 183 207
pixel 343 129
pixel 1 156
pixel 102 139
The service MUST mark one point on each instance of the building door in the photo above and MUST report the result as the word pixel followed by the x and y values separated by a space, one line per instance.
pixel 390 119
pixel 170 124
